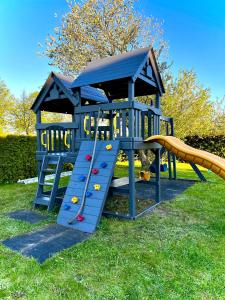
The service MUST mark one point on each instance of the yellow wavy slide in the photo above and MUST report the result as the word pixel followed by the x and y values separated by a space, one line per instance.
pixel 203 158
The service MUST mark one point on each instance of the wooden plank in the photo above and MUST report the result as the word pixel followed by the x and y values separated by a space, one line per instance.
pixel 64 125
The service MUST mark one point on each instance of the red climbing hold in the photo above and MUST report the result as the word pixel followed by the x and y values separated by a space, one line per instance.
pixel 88 157
pixel 95 171
pixel 80 218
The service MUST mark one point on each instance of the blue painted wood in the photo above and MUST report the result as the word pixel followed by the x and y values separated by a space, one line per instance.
pixel 112 67
pixel 94 204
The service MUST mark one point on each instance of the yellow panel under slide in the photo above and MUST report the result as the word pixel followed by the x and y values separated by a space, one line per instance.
pixel 203 158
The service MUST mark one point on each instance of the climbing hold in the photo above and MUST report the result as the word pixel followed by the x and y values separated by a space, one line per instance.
pixel 145 175
pixel 74 200
pixel 80 218
pixel 88 194
pixel 95 171
pixel 82 178
pixel 88 157
pixel 67 207
pixel 163 167
pixel 108 147
pixel 103 165
pixel 97 187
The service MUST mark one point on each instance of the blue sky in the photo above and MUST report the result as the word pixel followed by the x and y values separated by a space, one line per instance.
pixel 195 31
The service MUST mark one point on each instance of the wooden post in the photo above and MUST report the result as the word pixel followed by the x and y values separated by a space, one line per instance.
pixel 132 191
pixel 73 132
pixel 38 121
pixel 158 105
pixel 158 187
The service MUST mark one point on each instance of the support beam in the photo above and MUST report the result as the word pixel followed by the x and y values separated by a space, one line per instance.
pixel 198 172
pixel 132 190
pixel 157 168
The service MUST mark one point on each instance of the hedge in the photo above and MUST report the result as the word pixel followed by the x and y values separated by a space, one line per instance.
pixel 17 158
pixel 213 144
pixel 17 154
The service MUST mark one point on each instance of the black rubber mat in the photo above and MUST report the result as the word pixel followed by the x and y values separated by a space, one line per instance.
pixel 169 189
pixel 45 242
pixel 27 216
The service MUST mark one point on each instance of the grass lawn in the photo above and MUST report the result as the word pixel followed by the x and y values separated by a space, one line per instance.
pixel 176 252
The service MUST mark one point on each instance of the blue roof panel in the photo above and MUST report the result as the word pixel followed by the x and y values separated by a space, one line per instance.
pixel 87 92
pixel 111 68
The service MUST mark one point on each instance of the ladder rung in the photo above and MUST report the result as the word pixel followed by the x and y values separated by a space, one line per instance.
pixel 46 183
pixel 49 170
pixel 42 200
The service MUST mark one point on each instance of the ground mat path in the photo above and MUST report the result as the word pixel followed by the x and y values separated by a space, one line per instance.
pixel 45 242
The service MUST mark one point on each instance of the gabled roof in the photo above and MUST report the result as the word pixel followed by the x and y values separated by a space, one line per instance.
pixel 87 92
pixel 111 68
pixel 116 68
pixel 64 84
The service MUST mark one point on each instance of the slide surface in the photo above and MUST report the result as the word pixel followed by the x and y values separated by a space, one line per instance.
pixel 94 202
pixel 203 158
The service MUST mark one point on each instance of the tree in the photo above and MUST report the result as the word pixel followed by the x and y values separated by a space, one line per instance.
pixel 219 116
pixel 6 99
pixel 97 28
pixel 188 102
pixel 22 116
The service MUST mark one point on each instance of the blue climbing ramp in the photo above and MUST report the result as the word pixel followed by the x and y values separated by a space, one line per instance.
pixel 98 186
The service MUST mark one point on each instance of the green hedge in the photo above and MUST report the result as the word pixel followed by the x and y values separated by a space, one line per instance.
pixel 213 144
pixel 17 158
pixel 17 154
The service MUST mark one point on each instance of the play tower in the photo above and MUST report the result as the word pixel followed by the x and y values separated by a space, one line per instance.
pixel 105 112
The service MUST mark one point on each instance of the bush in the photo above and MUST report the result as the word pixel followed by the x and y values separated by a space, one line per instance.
pixel 213 144
pixel 17 158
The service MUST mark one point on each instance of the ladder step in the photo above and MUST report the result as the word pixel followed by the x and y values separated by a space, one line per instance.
pixel 49 170
pixel 46 183
pixel 42 201
pixel 53 161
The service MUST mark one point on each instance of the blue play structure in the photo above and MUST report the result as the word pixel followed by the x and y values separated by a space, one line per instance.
pixel 100 127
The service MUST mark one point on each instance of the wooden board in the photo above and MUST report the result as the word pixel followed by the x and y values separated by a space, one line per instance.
pixel 93 205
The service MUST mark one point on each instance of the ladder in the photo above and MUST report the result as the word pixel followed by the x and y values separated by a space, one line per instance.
pixel 51 164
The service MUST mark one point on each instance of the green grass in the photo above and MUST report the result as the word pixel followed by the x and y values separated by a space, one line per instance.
pixel 177 252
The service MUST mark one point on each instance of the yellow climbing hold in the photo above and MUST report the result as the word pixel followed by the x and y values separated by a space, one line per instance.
pixel 97 187
pixel 74 200
pixel 108 147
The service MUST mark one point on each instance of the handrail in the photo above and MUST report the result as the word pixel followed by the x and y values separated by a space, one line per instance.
pixel 86 118
pixel 64 125
pixel 65 140
pixel 42 139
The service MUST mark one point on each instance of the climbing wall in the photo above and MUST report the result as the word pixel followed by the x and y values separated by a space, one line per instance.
pixel 98 186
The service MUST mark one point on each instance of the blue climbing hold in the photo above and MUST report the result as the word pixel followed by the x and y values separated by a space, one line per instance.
pixel 163 167
pixel 67 207
pixel 88 194
pixel 82 178
pixel 103 165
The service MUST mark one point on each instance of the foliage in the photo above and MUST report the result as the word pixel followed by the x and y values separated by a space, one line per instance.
pixel 5 103
pixel 17 158
pixel 213 144
pixel 22 116
pixel 189 104
pixel 219 116
pixel 176 252
pixel 98 28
